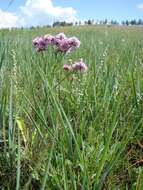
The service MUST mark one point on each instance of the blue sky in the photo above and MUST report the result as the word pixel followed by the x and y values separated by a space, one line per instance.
pixel 72 9
pixel 101 9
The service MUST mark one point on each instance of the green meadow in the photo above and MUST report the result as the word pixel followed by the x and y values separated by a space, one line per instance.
pixel 80 131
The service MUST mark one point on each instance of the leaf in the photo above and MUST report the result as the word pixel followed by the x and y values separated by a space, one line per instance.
pixel 21 126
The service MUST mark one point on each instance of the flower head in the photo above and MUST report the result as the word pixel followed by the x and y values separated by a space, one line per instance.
pixel 61 36
pixel 80 66
pixel 76 66
pixel 63 46
pixel 67 67
pixel 74 42
pixel 39 44
pixel 66 45
pixel 49 39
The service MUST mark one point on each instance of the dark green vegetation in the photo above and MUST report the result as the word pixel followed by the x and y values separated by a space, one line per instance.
pixel 83 132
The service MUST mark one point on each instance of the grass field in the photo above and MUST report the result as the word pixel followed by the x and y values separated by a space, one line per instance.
pixel 79 132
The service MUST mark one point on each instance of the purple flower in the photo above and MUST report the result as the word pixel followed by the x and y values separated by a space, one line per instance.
pixel 57 42
pixel 63 46
pixel 76 66
pixel 60 42
pixel 80 66
pixel 49 39
pixel 66 45
pixel 39 44
pixel 74 42
pixel 61 36
pixel 67 67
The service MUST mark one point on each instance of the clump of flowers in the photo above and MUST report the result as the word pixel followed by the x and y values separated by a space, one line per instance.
pixel 64 45
pixel 60 42
pixel 77 66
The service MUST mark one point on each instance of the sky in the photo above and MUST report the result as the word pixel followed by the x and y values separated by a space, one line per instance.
pixel 43 12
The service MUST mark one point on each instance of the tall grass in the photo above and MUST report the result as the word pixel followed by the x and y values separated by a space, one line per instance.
pixel 62 133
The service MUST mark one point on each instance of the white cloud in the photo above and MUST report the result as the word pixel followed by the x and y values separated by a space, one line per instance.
pixel 140 6
pixel 37 12
pixel 7 19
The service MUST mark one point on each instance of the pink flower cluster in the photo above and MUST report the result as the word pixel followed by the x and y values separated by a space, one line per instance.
pixel 76 66
pixel 60 42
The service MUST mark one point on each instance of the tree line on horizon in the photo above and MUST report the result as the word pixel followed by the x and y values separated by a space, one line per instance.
pixel 105 22
pixel 138 22
pixel 134 22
